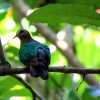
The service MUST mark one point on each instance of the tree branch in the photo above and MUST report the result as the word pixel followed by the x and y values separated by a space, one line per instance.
pixel 60 69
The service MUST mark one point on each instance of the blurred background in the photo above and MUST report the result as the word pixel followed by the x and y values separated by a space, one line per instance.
pixel 83 40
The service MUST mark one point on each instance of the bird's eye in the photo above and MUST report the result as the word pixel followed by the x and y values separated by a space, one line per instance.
pixel 21 31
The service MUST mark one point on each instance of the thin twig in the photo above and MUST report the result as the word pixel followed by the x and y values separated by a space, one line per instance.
pixel 81 82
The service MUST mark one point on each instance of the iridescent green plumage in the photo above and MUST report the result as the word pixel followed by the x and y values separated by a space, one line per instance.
pixel 30 49
pixel 34 55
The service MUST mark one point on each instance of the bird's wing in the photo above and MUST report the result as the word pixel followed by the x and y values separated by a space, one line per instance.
pixel 44 49
pixel 48 56
pixel 44 54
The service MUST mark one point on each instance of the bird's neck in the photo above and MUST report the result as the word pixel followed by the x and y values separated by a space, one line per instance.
pixel 24 40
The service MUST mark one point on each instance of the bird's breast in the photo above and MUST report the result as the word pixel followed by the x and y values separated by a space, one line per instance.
pixel 28 50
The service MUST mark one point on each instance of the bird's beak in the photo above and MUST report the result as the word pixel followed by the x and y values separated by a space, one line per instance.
pixel 15 36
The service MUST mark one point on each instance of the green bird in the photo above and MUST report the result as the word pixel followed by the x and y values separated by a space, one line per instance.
pixel 34 55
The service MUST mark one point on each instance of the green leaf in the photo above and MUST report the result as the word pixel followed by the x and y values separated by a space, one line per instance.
pixel 85 2
pixel 11 87
pixel 65 13
pixel 72 96
pixel 4 7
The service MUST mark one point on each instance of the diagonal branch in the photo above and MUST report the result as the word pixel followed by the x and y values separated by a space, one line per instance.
pixel 35 93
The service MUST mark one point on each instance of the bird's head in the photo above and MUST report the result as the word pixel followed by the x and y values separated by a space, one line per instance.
pixel 22 34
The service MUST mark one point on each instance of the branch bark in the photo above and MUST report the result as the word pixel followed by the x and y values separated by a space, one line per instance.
pixel 60 69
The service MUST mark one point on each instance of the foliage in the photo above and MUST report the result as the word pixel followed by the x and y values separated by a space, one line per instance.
pixel 84 21
pixel 71 13
pixel 11 87
pixel 3 9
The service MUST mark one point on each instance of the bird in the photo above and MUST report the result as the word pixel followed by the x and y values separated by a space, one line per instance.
pixel 34 54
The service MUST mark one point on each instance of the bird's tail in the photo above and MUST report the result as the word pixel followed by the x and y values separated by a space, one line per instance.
pixel 39 71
